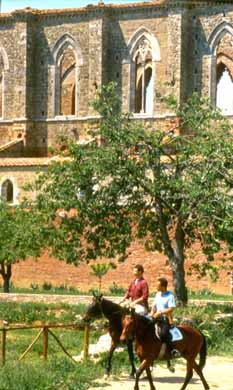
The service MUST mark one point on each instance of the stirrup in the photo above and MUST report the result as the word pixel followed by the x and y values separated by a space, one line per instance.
pixel 175 353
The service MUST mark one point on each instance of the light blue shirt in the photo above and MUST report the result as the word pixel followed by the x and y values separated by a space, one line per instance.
pixel 164 301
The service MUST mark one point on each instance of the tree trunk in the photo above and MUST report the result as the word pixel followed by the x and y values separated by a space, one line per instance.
pixel 174 249
pixel 6 275
pixel 177 261
pixel 178 274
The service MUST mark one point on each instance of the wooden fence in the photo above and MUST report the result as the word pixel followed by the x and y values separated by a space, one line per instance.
pixel 44 332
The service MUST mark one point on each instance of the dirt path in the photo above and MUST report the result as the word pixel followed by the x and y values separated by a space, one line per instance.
pixel 218 373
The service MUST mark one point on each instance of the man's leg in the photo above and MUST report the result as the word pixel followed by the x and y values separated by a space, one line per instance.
pixel 140 309
pixel 167 338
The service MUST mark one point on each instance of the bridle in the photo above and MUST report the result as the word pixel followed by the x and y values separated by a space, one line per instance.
pixel 98 301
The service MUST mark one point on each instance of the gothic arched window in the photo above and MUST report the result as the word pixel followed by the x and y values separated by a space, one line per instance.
pixel 143 77
pixel 67 83
pixel 220 63
pixel 224 90
pixel 7 191
pixel 65 72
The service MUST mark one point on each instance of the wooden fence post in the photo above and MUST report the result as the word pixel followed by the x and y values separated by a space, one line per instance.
pixel 86 341
pixel 45 342
pixel 3 346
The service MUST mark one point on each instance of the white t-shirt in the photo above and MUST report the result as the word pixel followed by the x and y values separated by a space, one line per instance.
pixel 164 301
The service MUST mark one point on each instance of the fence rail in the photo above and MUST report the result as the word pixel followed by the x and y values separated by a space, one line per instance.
pixel 44 332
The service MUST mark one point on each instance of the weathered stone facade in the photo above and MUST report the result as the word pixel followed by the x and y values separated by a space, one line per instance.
pixel 52 62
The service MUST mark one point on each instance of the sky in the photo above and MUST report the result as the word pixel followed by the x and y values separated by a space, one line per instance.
pixel 10 5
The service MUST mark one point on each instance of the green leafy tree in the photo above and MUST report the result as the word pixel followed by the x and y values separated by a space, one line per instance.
pixel 19 238
pixel 169 188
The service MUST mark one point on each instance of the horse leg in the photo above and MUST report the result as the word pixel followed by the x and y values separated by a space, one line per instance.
pixel 138 374
pixel 200 373
pixel 131 357
pixel 189 374
pixel 109 360
pixel 149 377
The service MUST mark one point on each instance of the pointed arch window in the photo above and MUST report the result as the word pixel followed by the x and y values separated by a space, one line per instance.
pixel 224 90
pixel 67 60
pixel 143 78
pixel 7 191
pixel 67 83
pixel 220 63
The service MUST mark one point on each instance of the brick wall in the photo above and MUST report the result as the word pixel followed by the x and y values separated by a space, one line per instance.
pixel 155 265
pixel 188 40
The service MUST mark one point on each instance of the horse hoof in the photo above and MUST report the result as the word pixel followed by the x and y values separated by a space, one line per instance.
pixel 171 369
pixel 106 376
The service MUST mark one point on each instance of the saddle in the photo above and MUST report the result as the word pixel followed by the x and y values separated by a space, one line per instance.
pixel 175 333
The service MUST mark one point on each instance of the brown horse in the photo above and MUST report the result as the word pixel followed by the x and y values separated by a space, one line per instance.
pixel 149 347
pixel 113 312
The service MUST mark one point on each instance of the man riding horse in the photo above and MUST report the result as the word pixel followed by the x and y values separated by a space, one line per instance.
pixel 162 309
pixel 138 291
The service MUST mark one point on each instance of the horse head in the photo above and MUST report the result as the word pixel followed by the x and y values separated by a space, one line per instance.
pixel 128 325
pixel 95 308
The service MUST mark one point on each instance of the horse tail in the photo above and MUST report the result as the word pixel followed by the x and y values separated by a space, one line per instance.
pixel 203 353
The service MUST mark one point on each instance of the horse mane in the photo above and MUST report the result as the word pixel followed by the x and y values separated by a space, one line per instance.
pixel 111 304
pixel 147 326
pixel 111 309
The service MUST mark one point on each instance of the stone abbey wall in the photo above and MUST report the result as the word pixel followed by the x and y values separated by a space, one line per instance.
pixel 51 65
pixel 52 62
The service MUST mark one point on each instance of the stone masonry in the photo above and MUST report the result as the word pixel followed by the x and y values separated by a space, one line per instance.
pixel 53 61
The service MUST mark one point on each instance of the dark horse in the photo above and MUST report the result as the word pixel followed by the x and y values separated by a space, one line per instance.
pixel 113 312
pixel 149 347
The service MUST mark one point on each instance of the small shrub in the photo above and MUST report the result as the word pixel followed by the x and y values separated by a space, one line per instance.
pixel 116 290
pixel 34 286
pixel 205 292
pixel 47 286
pixel 72 289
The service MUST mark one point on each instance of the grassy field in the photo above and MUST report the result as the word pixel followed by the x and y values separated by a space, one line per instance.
pixel 60 372
pixel 114 290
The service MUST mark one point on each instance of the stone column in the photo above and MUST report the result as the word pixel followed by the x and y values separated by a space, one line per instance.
pixel 209 77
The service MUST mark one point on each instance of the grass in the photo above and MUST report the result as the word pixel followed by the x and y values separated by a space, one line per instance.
pixel 216 323
pixel 56 373
pixel 209 295
pixel 29 312
pixel 114 290
pixel 59 372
